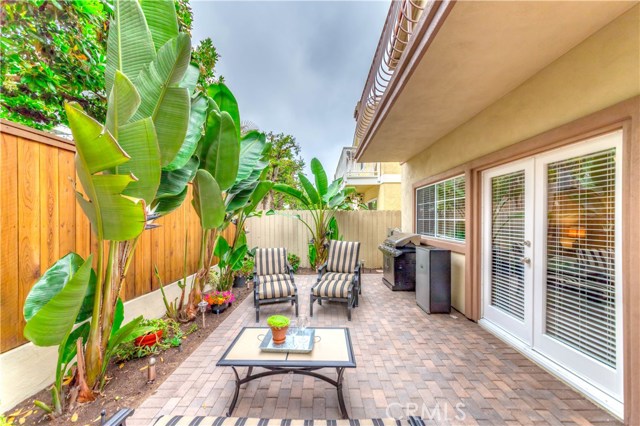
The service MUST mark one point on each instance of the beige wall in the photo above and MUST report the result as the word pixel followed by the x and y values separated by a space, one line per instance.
pixel 371 194
pixel 389 196
pixel 599 72
pixel 390 168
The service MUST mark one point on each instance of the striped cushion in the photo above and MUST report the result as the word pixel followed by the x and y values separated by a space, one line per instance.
pixel 270 261
pixel 597 259
pixel 343 256
pixel 242 421
pixel 333 288
pixel 272 288
pixel 338 276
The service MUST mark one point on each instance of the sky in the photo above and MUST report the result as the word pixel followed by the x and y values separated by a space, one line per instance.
pixel 295 67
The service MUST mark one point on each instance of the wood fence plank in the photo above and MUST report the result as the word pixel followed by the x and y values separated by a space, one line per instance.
pixel 28 224
pixel 49 221
pixel 67 203
pixel 10 335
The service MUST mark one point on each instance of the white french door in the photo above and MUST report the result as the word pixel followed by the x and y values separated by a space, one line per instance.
pixel 508 233
pixel 552 260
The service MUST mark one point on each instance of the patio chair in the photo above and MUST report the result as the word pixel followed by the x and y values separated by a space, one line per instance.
pixel 273 279
pixel 339 278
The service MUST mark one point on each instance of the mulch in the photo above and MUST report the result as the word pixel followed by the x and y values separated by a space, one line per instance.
pixel 127 386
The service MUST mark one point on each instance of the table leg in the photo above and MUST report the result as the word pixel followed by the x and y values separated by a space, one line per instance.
pixel 235 394
pixel 343 408
pixel 249 371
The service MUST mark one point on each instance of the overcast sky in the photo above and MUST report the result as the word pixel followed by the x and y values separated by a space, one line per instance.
pixel 295 67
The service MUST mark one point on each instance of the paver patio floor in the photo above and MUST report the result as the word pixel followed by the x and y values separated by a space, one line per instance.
pixel 442 367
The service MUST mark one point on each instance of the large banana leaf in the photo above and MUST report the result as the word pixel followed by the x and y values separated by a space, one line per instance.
pixel 130 45
pixel 123 102
pixel 197 117
pixel 258 194
pixel 112 215
pixel 164 206
pixel 295 193
pixel 320 175
pixel 53 281
pixel 207 200
pixel 252 146
pixel 137 138
pixel 220 149
pixel 309 189
pixel 174 182
pixel 225 100
pixel 161 19
pixel 163 99
pixel 52 323
pixel 333 190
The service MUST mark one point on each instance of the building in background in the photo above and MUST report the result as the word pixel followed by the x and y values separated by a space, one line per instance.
pixel 517 127
pixel 378 184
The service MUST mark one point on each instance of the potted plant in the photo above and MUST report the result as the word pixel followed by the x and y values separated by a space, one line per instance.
pixel 220 300
pixel 157 328
pixel 279 325
pixel 294 262
pixel 244 273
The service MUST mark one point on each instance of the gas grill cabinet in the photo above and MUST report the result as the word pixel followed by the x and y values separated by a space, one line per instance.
pixel 433 279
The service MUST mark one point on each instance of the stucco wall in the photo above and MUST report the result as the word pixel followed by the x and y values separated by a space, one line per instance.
pixel 389 196
pixel 601 71
pixel 390 168
pixel 370 194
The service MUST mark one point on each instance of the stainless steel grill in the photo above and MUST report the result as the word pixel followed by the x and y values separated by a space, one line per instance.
pixel 399 251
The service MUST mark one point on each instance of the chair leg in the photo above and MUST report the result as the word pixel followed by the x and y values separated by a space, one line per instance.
pixel 257 311
pixel 348 312
pixel 296 302
pixel 311 306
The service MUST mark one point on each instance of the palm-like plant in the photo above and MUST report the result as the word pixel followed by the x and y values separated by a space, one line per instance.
pixel 322 201
pixel 127 166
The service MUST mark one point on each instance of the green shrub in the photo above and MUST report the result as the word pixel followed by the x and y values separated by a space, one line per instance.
pixel 294 261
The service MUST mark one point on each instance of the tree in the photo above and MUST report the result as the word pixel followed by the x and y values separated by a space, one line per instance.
pixel 55 51
pixel 284 165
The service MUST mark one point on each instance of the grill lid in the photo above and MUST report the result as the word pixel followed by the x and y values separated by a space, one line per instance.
pixel 401 239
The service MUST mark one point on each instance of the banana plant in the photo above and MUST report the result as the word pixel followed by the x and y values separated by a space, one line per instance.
pixel 322 200
pixel 121 167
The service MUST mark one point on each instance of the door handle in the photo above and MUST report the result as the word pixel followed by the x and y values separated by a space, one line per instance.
pixel 527 243
pixel 525 261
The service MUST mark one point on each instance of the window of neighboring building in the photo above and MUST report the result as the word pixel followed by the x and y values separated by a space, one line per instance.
pixel 440 209
pixel 373 204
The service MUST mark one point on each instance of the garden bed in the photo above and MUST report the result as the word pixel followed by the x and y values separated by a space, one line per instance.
pixel 127 386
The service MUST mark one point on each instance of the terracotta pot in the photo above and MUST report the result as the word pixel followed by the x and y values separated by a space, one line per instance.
pixel 279 335
pixel 149 339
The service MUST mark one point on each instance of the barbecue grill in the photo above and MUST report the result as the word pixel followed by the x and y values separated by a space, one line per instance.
pixel 399 253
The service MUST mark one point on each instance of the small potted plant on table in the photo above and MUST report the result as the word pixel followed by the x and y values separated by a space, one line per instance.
pixel 220 300
pixel 279 325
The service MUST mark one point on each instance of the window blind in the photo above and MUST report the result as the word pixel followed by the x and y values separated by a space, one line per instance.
pixel 580 292
pixel 440 209
pixel 507 239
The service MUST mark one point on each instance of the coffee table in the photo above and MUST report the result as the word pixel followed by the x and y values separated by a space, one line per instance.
pixel 333 349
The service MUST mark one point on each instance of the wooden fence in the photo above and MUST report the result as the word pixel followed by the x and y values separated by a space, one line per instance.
pixel 283 230
pixel 41 222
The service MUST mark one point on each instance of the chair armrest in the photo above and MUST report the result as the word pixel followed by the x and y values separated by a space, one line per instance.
pixel 322 270
pixel 118 419
pixel 290 270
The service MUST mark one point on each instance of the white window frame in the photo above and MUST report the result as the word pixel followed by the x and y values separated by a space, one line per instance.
pixel 463 220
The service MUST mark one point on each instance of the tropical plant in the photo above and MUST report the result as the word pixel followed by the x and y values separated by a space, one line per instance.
pixel 294 261
pixel 228 187
pixel 120 167
pixel 322 200
pixel 246 270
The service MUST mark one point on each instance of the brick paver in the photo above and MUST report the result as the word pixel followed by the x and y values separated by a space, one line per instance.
pixel 442 367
